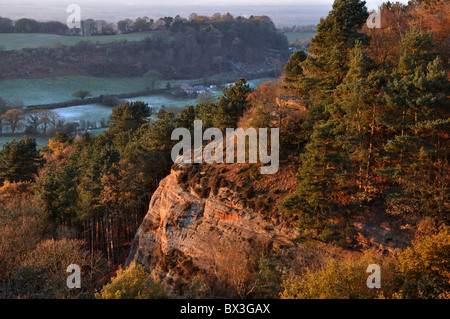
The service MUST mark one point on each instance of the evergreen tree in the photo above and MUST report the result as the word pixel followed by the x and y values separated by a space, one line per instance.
pixel 232 104
pixel 416 51
pixel 292 68
pixel 124 121
pixel 323 198
pixel 327 62
pixel 207 112
pixel 19 161
pixel 416 117
pixel 128 117
pixel 187 117
pixel 321 201
pixel 356 111
pixel 401 110
pixel 416 157
pixel 56 187
pixel 151 148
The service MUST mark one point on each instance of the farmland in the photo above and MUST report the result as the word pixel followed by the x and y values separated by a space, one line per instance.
pixel 299 36
pixel 91 112
pixel 60 89
pixel 17 41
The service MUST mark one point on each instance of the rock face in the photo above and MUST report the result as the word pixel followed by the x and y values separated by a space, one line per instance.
pixel 185 234
pixel 201 230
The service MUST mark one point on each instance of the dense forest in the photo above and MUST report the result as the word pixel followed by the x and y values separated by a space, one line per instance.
pixel 182 50
pixel 90 27
pixel 371 138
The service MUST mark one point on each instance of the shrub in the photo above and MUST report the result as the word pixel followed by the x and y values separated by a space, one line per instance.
pixel 43 274
pixel 267 279
pixel 132 283
pixel 109 100
pixel 426 266
pixel 198 288
pixel 22 226
pixel 248 192
pixel 342 279
pixel 214 183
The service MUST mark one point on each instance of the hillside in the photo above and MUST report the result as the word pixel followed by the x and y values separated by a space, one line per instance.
pixel 191 50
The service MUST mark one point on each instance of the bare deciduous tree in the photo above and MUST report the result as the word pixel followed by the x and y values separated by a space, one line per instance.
pixel 33 119
pixel 81 94
pixel 13 118
pixel 49 119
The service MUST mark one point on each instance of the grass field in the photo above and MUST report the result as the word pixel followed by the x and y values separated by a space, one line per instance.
pixel 299 36
pixel 97 112
pixel 90 112
pixel 60 88
pixel 156 101
pixel 257 82
pixel 17 41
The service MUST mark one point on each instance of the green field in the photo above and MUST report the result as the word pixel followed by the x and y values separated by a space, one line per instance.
pixel 60 88
pixel 17 41
pixel 257 82
pixel 299 36
pixel 156 101
pixel 91 112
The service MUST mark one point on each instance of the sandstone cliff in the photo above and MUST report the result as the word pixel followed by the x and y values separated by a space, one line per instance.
pixel 186 232
pixel 203 232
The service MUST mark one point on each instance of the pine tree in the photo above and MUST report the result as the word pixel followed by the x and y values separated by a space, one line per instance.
pixel 416 51
pixel 150 148
pixel 323 199
pixel 327 62
pixel 232 104
pixel 329 56
pixel 357 112
pixel 126 119
pixel 207 112
pixel 56 187
pixel 415 54
pixel 417 117
pixel 293 70
pixel 19 161
pixel 187 117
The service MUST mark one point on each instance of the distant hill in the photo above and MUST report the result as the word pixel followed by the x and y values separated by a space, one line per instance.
pixel 179 49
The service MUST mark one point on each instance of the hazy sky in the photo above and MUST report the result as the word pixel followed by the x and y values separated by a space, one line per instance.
pixel 282 12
